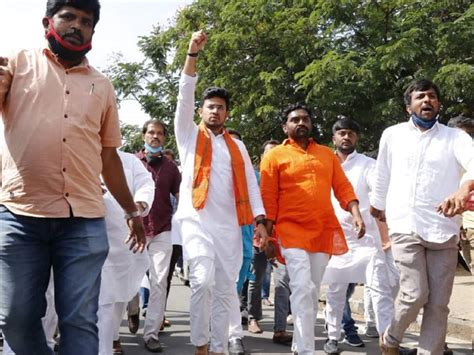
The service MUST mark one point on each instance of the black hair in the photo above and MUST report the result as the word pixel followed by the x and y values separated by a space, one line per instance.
pixel 294 107
pixel 420 85
pixel 92 6
pixel 346 123
pixel 153 121
pixel 235 133
pixel 168 151
pixel 215 91
pixel 461 121
pixel 268 142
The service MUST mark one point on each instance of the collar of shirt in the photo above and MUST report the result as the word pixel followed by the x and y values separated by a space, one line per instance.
pixel 291 142
pixel 84 65
pixel 350 157
pixel 413 126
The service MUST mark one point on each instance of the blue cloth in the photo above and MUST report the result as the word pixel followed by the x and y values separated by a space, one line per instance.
pixel 247 243
pixel 422 123
pixel 144 296
pixel 76 249
pixel 348 324
pixel 266 281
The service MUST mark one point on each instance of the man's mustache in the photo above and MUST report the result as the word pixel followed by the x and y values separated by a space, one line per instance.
pixel 74 34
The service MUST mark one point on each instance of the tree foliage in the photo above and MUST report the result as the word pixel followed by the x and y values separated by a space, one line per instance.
pixel 340 57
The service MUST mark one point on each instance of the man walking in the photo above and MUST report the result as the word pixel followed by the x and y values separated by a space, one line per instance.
pixel 61 133
pixel 419 165
pixel 167 178
pixel 219 194
pixel 294 175
pixel 365 261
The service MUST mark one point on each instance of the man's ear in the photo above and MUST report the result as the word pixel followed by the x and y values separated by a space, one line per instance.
pixel 285 129
pixel 45 22
pixel 199 111
pixel 408 110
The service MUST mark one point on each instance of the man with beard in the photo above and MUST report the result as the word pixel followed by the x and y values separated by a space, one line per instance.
pixel 365 261
pixel 296 182
pixel 61 133
pixel 419 165
pixel 219 193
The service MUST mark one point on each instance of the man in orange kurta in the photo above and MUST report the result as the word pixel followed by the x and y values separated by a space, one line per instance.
pixel 296 182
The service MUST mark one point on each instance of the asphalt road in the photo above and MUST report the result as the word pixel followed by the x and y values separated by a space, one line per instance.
pixel 175 340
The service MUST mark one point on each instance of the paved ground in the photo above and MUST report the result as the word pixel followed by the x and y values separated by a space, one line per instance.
pixel 176 338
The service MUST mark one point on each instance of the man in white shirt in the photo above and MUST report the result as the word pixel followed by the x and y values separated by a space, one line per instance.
pixel 122 271
pixel 365 261
pixel 418 166
pixel 218 193
pixel 467 232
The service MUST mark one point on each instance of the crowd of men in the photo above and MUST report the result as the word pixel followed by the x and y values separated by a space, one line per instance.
pixel 83 223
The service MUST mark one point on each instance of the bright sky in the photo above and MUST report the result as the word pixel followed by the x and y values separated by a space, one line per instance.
pixel 121 23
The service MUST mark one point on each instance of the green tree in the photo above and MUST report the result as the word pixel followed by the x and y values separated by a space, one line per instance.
pixel 132 138
pixel 341 57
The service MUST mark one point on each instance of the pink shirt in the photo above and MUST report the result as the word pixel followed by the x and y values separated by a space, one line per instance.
pixel 56 122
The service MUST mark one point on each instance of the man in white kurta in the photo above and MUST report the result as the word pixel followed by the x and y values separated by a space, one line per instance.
pixel 418 166
pixel 212 240
pixel 123 270
pixel 365 260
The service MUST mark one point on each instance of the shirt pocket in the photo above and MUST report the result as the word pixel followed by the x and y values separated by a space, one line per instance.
pixel 91 111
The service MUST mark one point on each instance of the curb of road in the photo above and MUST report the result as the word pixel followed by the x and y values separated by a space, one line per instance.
pixel 457 328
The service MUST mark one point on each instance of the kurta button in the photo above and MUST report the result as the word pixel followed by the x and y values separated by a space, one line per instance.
pixel 65 115
pixel 67 92
pixel 64 139
pixel 66 194
pixel 64 169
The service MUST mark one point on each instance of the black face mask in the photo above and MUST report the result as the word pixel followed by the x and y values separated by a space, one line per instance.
pixel 64 50
pixel 153 160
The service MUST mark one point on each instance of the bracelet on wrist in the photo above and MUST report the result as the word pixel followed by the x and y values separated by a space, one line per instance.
pixel 131 215
pixel 194 55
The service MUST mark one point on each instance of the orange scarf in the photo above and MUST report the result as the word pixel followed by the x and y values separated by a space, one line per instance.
pixel 202 174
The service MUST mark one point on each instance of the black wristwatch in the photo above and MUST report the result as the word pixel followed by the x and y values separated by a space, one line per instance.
pixel 261 221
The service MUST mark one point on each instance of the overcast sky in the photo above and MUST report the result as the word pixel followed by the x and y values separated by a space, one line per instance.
pixel 121 23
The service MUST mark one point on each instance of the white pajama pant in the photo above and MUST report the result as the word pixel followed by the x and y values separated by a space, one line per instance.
pixel 306 271
pixel 235 326
pixel 212 293
pixel 109 318
pixel 49 321
pixel 159 250
pixel 394 279
pixel 380 294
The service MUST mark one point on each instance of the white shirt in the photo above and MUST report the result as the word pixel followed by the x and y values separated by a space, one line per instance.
pixel 123 270
pixel 352 266
pixel 220 207
pixel 359 170
pixel 415 171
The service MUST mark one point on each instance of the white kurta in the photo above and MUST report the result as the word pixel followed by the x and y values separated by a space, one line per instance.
pixel 212 238
pixel 351 267
pixel 218 219
pixel 123 271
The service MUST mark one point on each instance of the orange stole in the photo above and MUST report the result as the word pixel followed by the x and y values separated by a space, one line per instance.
pixel 202 174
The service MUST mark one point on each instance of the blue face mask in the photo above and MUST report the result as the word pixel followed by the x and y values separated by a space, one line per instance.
pixel 153 150
pixel 422 123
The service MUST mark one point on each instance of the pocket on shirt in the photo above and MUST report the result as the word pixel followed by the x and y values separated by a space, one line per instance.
pixel 92 110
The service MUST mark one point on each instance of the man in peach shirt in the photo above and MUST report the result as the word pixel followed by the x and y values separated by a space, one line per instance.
pixel 61 133
pixel 296 182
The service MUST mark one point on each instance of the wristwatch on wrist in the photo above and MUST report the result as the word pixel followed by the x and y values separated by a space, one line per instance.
pixel 261 221
pixel 131 215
